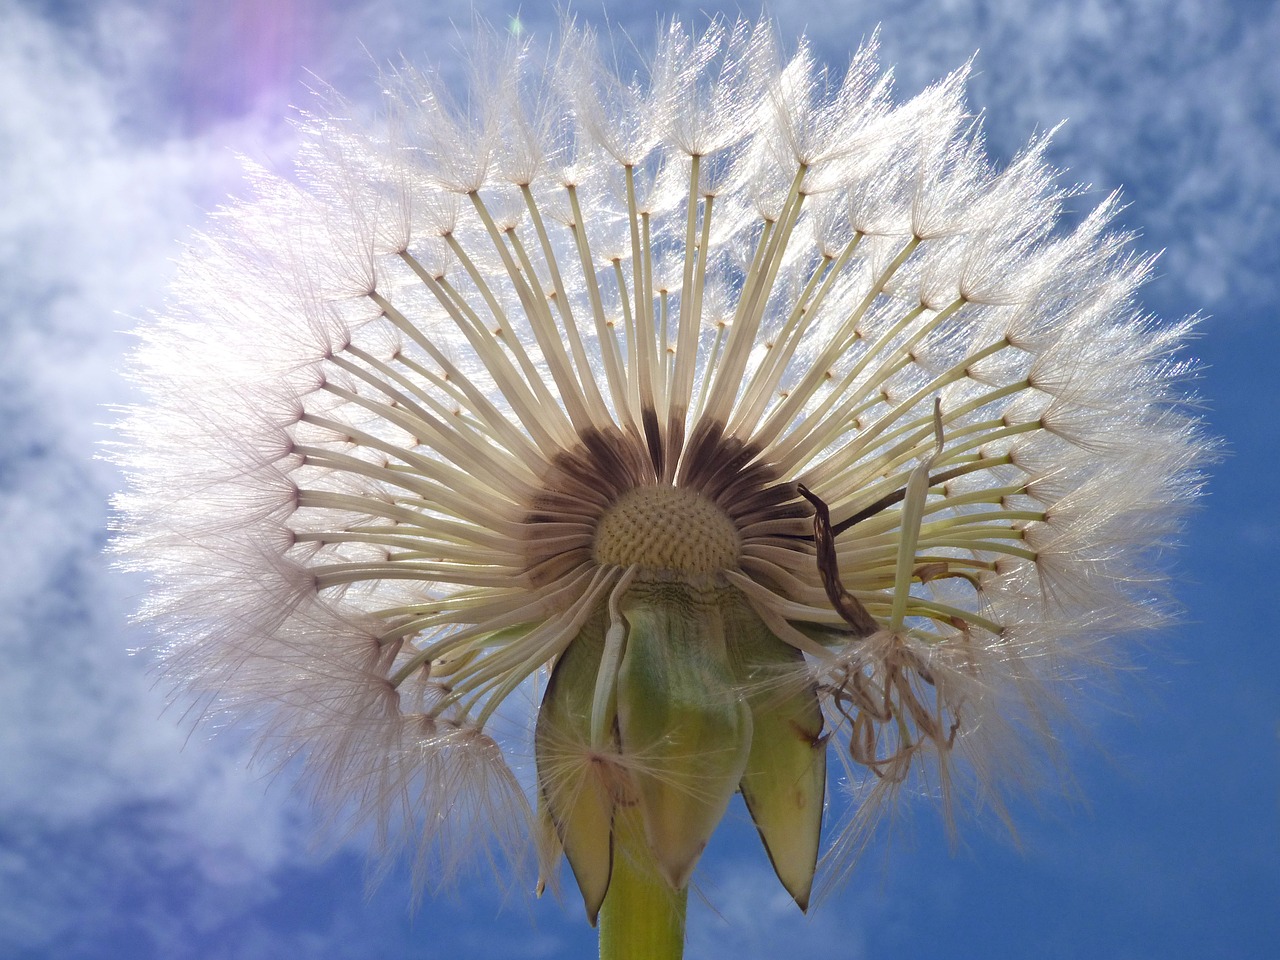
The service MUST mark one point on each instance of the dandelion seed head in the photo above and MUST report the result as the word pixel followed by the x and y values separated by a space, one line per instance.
pixel 731 410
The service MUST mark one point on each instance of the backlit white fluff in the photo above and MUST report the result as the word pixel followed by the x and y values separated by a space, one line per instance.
pixel 392 398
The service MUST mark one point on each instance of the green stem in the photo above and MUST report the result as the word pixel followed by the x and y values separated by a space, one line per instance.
pixel 642 918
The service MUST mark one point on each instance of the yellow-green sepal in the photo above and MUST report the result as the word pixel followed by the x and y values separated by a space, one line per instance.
pixel 573 778
pixel 682 725
pixel 784 783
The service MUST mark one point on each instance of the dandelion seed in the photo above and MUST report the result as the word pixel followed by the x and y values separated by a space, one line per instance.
pixel 749 416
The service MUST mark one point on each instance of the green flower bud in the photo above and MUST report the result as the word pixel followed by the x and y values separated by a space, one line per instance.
pixel 682 722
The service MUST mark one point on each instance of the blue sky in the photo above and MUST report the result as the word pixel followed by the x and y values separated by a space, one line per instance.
pixel 124 834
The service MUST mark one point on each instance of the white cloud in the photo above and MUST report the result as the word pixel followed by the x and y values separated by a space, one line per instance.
pixel 751 917
pixel 87 230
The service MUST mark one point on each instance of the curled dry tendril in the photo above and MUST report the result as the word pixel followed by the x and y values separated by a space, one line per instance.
pixel 867 702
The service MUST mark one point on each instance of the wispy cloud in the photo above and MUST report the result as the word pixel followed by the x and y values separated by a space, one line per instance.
pixel 749 916
pixel 93 780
